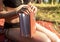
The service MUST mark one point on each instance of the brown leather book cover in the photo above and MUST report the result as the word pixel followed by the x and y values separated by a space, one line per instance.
pixel 32 24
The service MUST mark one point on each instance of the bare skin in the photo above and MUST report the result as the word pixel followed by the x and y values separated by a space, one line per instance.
pixel 14 33
pixel 41 35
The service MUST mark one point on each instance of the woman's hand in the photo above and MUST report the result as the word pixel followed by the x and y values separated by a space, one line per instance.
pixel 27 9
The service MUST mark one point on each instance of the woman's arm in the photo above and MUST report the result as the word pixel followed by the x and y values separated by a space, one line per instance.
pixel 11 13
pixel 7 14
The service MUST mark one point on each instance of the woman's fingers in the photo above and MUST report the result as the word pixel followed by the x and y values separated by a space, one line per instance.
pixel 27 9
pixel 25 12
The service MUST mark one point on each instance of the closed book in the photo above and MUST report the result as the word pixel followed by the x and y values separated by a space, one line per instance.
pixel 27 24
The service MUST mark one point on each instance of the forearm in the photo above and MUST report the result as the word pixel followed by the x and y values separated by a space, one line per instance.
pixel 8 14
pixel 14 12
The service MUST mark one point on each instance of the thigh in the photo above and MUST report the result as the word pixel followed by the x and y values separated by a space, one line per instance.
pixel 14 34
pixel 40 36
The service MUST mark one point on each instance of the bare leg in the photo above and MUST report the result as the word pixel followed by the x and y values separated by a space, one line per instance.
pixel 14 34
pixel 39 36
pixel 50 34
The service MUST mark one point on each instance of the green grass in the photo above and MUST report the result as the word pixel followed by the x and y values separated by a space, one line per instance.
pixel 46 5
pixel 48 12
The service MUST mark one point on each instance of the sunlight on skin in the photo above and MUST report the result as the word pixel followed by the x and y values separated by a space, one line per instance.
pixel 14 34
pixel 40 36
pixel 50 34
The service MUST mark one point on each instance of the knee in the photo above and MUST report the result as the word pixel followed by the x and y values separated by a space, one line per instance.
pixel 41 37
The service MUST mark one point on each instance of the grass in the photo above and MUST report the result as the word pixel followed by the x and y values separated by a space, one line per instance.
pixel 46 5
pixel 48 12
